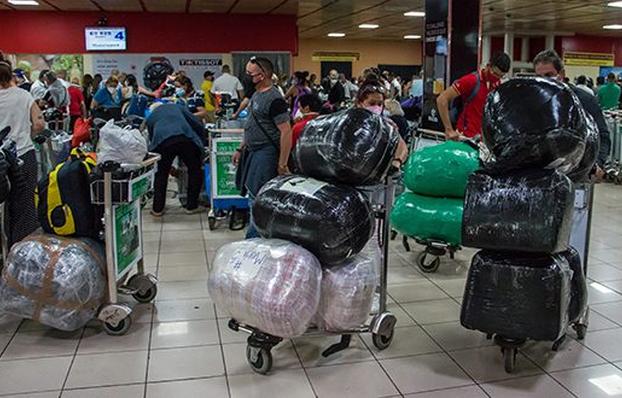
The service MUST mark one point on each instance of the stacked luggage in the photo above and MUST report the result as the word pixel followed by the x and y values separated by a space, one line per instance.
pixel 526 283
pixel 316 264
pixel 431 210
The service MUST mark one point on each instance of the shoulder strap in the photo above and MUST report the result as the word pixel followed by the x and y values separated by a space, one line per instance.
pixel 261 127
pixel 475 89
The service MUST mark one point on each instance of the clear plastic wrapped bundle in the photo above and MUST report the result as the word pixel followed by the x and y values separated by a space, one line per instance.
pixel 534 122
pixel 441 170
pixel 353 147
pixel 530 211
pixel 426 217
pixel 348 291
pixel 270 284
pixel 57 281
pixel 592 147
pixel 578 293
pixel 332 222
pixel 518 295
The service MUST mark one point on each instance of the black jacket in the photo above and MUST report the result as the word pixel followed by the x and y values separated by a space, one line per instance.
pixel 590 104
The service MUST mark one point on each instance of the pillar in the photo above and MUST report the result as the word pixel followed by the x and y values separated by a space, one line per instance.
pixel 549 42
pixel 486 49
pixel 524 49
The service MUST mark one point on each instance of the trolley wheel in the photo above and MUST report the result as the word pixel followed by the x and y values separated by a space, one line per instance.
pixel 426 265
pixel 211 222
pixel 581 330
pixel 405 243
pixel 557 343
pixel 260 359
pixel 120 329
pixel 509 358
pixel 489 336
pixel 393 234
pixel 147 295
pixel 382 342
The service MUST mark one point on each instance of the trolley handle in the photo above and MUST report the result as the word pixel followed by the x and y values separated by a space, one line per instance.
pixel 111 166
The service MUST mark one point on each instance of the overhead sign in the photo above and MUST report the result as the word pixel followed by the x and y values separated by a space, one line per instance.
pixel 105 39
pixel 331 56
pixel 575 58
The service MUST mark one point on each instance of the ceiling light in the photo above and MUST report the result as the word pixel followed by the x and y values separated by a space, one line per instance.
pixel 368 26
pixel 24 2
pixel 615 4
pixel 612 27
pixel 412 37
pixel 418 13
pixel 336 34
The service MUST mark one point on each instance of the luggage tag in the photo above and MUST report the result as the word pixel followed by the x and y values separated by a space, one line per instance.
pixel 304 186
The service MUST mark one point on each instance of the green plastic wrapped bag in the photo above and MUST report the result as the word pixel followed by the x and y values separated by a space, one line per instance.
pixel 441 170
pixel 427 217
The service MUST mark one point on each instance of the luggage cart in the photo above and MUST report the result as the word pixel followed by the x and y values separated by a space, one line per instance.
pixel 429 260
pixel 224 197
pixel 580 240
pixel 382 322
pixel 613 167
pixel 120 192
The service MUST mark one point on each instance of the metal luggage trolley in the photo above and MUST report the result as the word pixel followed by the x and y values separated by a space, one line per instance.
pixel 121 191
pixel 220 187
pixel 613 168
pixel 580 240
pixel 381 324
pixel 430 258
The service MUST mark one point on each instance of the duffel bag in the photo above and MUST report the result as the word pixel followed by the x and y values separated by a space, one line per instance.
pixel 63 199
pixel 331 221
pixel 353 147
pixel 528 211
pixel 518 296
pixel 428 218
pixel 534 123
pixel 272 285
pixel 441 170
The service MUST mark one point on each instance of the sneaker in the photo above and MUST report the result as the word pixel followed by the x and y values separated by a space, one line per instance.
pixel 196 210
pixel 157 214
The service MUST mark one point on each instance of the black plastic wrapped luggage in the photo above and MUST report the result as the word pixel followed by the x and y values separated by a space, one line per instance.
pixel 592 146
pixel 333 222
pixel 517 296
pixel 155 73
pixel 529 211
pixel 578 293
pixel 353 147
pixel 534 122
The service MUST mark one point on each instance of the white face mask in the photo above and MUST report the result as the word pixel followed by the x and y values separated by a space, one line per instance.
pixel 112 90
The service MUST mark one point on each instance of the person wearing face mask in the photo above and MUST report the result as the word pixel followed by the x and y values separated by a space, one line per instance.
pixel 549 64
pixel 473 89
pixel 109 96
pixel 329 81
pixel 371 96
pixel 193 99
pixel 267 135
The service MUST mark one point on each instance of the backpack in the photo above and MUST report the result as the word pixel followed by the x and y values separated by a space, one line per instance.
pixel 458 105
pixel 63 198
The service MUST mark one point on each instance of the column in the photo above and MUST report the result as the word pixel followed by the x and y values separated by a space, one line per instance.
pixel 486 51
pixel 524 49
pixel 549 42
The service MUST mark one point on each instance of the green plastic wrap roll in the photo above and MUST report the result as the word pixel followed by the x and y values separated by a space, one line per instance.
pixel 441 170
pixel 427 217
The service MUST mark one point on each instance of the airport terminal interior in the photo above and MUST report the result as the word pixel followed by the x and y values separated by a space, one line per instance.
pixel 310 198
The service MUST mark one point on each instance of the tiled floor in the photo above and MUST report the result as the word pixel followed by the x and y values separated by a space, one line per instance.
pixel 180 346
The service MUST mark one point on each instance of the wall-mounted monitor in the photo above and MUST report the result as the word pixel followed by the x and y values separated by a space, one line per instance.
pixel 105 39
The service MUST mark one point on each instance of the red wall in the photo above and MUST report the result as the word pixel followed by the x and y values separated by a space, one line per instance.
pixel 595 44
pixel 63 32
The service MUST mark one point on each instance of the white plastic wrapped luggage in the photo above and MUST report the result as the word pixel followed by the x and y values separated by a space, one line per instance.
pixel 121 145
pixel 348 291
pixel 56 281
pixel 270 284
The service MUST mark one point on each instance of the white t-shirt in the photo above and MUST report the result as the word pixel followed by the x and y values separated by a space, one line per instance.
pixel 227 83
pixel 15 105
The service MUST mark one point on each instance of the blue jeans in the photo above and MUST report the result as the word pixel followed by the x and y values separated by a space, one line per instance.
pixel 261 166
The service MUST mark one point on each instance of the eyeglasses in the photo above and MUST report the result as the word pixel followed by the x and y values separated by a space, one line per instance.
pixel 255 61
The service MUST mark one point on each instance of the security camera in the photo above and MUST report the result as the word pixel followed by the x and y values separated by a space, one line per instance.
pixel 103 21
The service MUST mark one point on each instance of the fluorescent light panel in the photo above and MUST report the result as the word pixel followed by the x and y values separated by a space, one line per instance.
pixel 368 26
pixel 335 34
pixel 24 2
pixel 612 27
pixel 422 14
pixel 412 37
pixel 615 4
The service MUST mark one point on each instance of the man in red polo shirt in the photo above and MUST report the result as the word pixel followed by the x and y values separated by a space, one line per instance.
pixel 472 90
